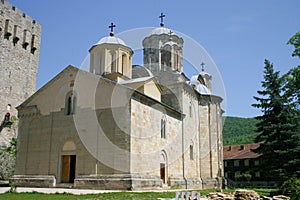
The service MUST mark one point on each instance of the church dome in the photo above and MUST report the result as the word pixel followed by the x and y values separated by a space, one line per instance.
pixel 140 71
pixel 111 40
pixel 199 87
pixel 162 30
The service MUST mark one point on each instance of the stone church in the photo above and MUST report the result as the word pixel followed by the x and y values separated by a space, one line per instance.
pixel 123 126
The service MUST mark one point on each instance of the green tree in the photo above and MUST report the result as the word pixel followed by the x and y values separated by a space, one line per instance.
pixel 295 41
pixel 276 126
pixel 279 125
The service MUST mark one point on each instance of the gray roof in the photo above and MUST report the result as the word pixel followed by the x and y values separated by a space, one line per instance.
pixel 111 40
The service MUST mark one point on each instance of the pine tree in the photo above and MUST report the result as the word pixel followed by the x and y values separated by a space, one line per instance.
pixel 277 126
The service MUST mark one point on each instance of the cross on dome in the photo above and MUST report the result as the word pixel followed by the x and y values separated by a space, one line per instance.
pixel 202 64
pixel 112 26
pixel 161 19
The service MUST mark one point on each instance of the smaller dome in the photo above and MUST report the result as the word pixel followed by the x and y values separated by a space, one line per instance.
pixel 162 30
pixel 202 89
pixel 140 71
pixel 111 40
pixel 194 80
pixel 199 87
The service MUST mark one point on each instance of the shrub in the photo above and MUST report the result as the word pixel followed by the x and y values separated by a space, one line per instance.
pixel 7 165
pixel 291 188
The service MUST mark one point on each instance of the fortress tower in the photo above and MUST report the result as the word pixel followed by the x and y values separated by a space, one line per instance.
pixel 19 55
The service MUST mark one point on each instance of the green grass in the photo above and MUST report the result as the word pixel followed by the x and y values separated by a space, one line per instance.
pixel 107 196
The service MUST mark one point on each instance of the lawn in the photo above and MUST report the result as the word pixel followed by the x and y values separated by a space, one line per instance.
pixel 106 196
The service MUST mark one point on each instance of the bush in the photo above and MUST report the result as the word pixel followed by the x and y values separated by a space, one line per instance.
pixel 7 165
pixel 291 188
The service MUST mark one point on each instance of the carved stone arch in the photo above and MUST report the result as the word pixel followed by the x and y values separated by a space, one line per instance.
pixel 69 145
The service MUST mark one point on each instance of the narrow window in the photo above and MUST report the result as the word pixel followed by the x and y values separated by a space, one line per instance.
pixel 70 104
pixel 113 63
pixel 163 128
pixel 33 48
pixel 123 63
pixel 191 152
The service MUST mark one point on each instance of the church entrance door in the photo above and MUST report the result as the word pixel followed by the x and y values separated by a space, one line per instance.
pixel 163 172
pixel 68 168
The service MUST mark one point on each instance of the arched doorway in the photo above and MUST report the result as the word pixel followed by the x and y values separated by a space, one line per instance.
pixel 68 162
pixel 163 167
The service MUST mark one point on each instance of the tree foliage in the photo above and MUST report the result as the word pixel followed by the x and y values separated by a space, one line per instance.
pixel 237 130
pixel 295 41
pixel 278 126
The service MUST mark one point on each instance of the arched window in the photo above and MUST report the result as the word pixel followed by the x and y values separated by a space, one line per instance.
pixel 166 58
pixel 70 103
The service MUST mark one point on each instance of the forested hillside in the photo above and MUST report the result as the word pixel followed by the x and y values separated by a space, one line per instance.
pixel 238 130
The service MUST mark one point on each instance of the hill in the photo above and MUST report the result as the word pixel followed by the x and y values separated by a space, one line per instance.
pixel 237 130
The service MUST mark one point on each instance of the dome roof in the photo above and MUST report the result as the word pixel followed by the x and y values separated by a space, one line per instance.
pixel 140 71
pixel 111 40
pixel 199 87
pixel 162 30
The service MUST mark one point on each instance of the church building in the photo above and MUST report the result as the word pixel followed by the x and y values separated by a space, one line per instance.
pixel 123 126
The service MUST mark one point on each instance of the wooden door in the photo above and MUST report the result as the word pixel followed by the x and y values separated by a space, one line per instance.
pixel 68 168
pixel 65 172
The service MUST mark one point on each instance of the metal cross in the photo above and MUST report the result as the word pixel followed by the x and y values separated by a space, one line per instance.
pixel 202 64
pixel 170 33
pixel 162 19
pixel 112 26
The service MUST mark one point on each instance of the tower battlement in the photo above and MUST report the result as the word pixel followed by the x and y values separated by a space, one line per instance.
pixel 19 56
pixel 18 27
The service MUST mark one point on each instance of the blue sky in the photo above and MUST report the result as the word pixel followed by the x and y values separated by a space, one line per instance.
pixel 238 35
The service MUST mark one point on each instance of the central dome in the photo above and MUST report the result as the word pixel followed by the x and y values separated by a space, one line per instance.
pixel 111 40
pixel 162 30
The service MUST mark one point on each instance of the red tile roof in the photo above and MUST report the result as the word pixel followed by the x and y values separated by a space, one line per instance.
pixel 242 151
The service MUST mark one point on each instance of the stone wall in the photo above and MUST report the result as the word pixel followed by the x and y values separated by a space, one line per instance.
pixel 19 55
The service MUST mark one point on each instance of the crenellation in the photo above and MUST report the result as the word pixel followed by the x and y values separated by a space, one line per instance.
pixel 19 38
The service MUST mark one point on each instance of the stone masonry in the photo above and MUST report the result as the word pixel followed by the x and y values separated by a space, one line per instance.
pixel 19 55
